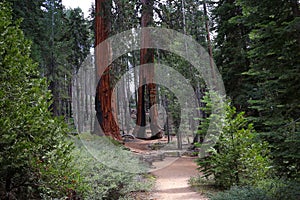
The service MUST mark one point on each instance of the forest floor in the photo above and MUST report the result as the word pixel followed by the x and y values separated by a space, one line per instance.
pixel 172 175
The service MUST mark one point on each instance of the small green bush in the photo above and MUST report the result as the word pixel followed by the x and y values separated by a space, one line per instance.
pixel 241 193
pixel 237 158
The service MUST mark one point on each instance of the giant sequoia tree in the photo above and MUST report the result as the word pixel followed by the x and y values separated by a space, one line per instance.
pixel 105 102
pixel 146 76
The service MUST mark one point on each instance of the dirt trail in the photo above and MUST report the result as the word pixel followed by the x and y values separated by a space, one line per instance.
pixel 172 174
pixel 172 181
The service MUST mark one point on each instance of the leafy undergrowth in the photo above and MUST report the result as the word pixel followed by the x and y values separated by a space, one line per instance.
pixel 241 193
pixel 104 182
pixel 204 186
pixel 268 189
pixel 144 195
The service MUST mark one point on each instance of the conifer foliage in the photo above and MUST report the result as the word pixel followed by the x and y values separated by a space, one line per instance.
pixel 275 66
pixel 34 154
pixel 257 52
pixel 60 43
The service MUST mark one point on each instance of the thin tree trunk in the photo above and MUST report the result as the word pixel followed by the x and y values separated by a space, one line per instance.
pixel 105 103
pixel 209 43
pixel 91 88
pixel 128 109
pixel 125 109
pixel 77 82
pixel 135 80
pixel 69 100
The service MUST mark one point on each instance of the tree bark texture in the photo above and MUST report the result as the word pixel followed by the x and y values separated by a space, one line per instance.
pixel 146 75
pixel 105 102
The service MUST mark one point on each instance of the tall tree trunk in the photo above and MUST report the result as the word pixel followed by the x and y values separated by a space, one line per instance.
pixel 78 96
pixel 209 47
pixel 105 104
pixel 146 75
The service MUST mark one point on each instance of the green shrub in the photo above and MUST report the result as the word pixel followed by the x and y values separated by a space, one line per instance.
pixel 288 191
pixel 237 158
pixel 279 189
pixel 268 189
pixel 241 193
pixel 34 154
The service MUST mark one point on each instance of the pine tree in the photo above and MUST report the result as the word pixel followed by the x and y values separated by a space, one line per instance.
pixel 231 50
pixel 275 66
pixel 60 40
pixel 32 23
pixel 77 37
pixel 237 158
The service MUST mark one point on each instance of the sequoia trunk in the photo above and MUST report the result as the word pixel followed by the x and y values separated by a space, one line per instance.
pixel 146 77
pixel 105 102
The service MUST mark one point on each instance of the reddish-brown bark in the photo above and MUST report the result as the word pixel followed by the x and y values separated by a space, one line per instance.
pixel 105 102
pixel 146 75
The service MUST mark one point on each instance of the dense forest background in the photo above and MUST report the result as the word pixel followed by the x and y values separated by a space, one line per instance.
pixel 255 46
